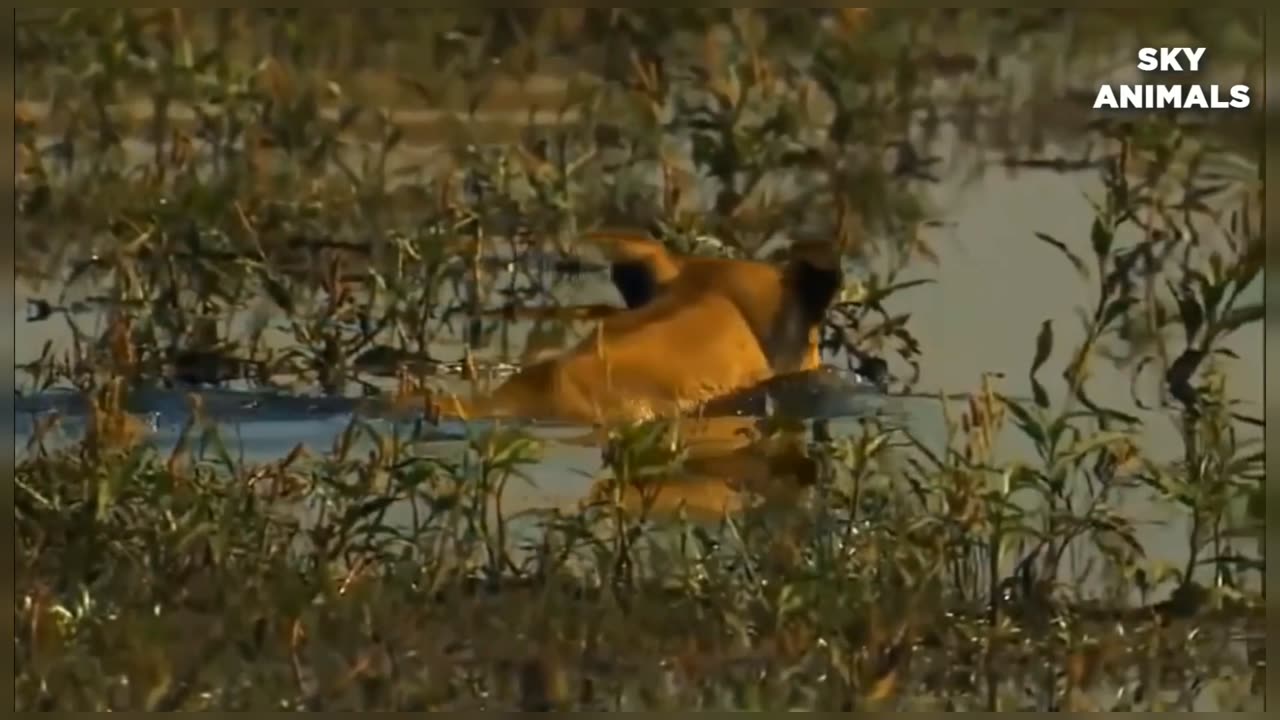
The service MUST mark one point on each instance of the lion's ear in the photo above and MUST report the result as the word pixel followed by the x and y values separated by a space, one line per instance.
pixel 814 278
pixel 636 282
pixel 640 264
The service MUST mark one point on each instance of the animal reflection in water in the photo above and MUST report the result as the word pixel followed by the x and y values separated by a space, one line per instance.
pixel 727 464
pixel 697 338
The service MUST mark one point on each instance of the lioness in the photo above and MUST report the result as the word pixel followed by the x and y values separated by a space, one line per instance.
pixel 695 329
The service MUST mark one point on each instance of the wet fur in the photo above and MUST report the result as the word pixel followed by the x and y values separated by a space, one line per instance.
pixel 695 328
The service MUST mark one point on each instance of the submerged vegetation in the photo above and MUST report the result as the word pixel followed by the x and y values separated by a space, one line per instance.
pixel 295 202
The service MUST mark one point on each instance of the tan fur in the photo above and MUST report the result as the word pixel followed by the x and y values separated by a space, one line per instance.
pixel 699 329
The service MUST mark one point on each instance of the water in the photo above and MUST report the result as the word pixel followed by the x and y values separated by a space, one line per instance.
pixel 995 284
pixel 260 427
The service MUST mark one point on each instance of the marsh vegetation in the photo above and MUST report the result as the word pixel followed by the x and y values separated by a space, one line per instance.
pixel 302 204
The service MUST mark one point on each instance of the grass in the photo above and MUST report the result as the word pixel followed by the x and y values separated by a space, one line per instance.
pixel 900 577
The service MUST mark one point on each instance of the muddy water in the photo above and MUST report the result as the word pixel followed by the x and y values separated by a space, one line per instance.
pixel 995 284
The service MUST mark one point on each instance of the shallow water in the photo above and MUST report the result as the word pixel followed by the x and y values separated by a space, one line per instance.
pixel 258 427
pixel 995 284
